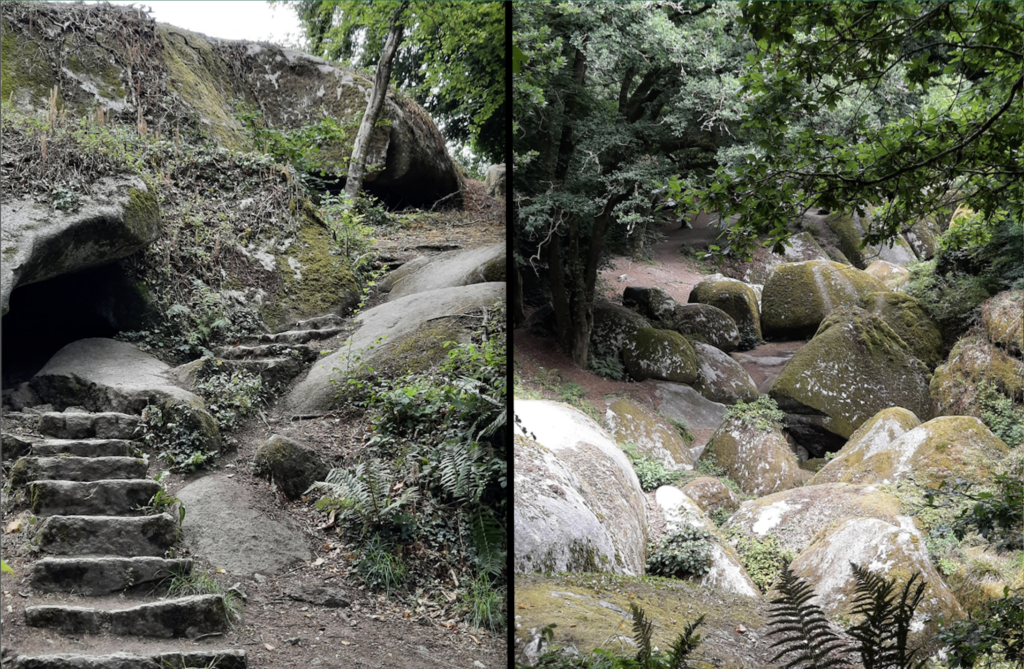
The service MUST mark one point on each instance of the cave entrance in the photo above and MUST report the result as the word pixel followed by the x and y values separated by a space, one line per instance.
pixel 46 316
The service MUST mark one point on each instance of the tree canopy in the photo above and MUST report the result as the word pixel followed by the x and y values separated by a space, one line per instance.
pixel 452 58
pixel 757 111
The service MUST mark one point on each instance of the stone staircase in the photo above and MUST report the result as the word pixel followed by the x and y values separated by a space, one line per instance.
pixel 98 542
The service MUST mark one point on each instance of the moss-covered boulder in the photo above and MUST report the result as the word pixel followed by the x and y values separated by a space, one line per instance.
pixel 613 325
pixel 292 466
pixel 759 460
pixel 652 435
pixel 923 234
pixel 721 378
pixel 660 354
pixel 850 228
pixel 905 316
pixel 1002 318
pixel 651 303
pixel 711 495
pixel 944 448
pixel 735 298
pixel 706 323
pixel 682 403
pixel 795 516
pixel 725 573
pixel 592 611
pixel 973 365
pixel 315 279
pixel 889 550
pixel 118 216
pixel 873 436
pixel 578 503
pixel 797 297
pixel 854 367
pixel 893 276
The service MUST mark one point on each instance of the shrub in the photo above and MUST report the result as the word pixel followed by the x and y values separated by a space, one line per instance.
pixel 681 553
pixel 996 635
pixel 179 435
pixel 651 472
pixel 764 559
pixel 1000 415
pixel 229 396
pixel 763 413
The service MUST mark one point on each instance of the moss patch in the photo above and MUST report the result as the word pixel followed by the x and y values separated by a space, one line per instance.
pixel 660 354
pixel 651 434
pixel 905 316
pixel 24 69
pixel 736 299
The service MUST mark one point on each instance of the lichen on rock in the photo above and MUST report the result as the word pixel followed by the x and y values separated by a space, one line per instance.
pixel 759 460
pixel 735 298
pixel 652 435
pixel 660 354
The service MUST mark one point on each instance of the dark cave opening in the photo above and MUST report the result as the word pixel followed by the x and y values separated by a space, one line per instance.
pixel 46 316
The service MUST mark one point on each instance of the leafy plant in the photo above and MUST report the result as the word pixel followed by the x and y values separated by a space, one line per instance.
pixel 162 502
pixel 1000 415
pixel 185 581
pixel 683 552
pixel 763 413
pixel 486 605
pixel 803 636
pixel 229 396
pixel 652 473
pixel 379 566
pixel 996 634
pixel 883 631
pixel 997 514
pixel 6 568
pixel 683 429
pixel 763 559
pixel 178 434
pixel 368 495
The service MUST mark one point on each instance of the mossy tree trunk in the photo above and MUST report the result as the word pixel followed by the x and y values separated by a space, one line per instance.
pixel 381 77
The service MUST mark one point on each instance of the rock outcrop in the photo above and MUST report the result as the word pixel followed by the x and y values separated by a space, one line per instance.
pixel 405 334
pixel 873 436
pixel 905 316
pixel 706 323
pixel 578 502
pixel 893 276
pixel 659 354
pixel 652 435
pixel 721 378
pixel 735 298
pixel 1002 318
pixel 292 466
pixel 117 217
pixel 759 460
pixel 448 270
pixel 613 325
pixel 973 364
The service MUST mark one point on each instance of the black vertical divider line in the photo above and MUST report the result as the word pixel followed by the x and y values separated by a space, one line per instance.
pixel 509 325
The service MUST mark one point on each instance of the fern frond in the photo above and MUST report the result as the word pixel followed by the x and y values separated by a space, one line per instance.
pixel 885 628
pixel 685 644
pixel 643 628
pixel 804 636
pixel 488 541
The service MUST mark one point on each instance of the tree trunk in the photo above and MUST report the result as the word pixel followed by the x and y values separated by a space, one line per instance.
pixel 381 77
pixel 518 308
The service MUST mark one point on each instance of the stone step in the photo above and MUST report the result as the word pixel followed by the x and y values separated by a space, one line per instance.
pixel 184 617
pixel 316 323
pixel 85 425
pixel 74 468
pixel 221 659
pixel 106 535
pixel 84 448
pixel 96 576
pixel 273 371
pixel 299 336
pixel 303 352
pixel 113 497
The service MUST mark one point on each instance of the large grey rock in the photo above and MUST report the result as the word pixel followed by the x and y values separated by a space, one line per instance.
pixel 292 466
pixel 224 527
pixel 106 375
pixel 72 468
pixel 686 405
pixel 721 378
pixel 94 576
pixel 222 659
pixel 447 270
pixel 119 497
pixel 495 181
pixel 103 535
pixel 740 300
pixel 707 323
pixel 408 333
pixel 578 502
pixel 116 217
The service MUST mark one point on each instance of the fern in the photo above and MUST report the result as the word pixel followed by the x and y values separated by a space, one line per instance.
pixel 685 644
pixel 461 471
pixel 642 630
pixel 488 541
pixel 366 493
pixel 806 639
pixel 646 657
pixel 883 632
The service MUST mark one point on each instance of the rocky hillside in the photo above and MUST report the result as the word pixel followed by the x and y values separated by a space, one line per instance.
pixel 246 422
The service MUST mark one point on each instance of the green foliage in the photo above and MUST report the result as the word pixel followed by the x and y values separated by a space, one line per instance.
pixel 6 568
pixel 163 502
pixel 369 499
pixel 763 413
pixel 652 473
pixel 884 628
pixel 232 396
pixel 685 551
pixel 486 605
pixel 177 433
pixel 185 582
pixel 995 635
pixel 802 634
pixel 1000 415
pixel 996 513
pixel 380 567
pixel 607 365
pixel 763 559
pixel 683 429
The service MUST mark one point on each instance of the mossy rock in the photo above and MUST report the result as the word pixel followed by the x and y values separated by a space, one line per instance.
pixel 905 316
pixel 759 461
pixel 923 235
pixel 314 277
pixel 735 298
pixel 707 323
pixel 613 324
pixel 652 303
pixel 721 378
pixel 850 229
pixel 888 550
pixel 578 502
pixel 592 611
pixel 944 448
pixel 972 362
pixel 795 516
pixel 875 435
pixel 654 437
pixel 660 354
pixel 292 466
pixel 1002 318
pixel 893 276
pixel 797 297
pixel 710 494
pixel 25 72
pixel 854 367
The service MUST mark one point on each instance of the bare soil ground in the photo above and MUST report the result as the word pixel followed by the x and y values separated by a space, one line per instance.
pixel 422 628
